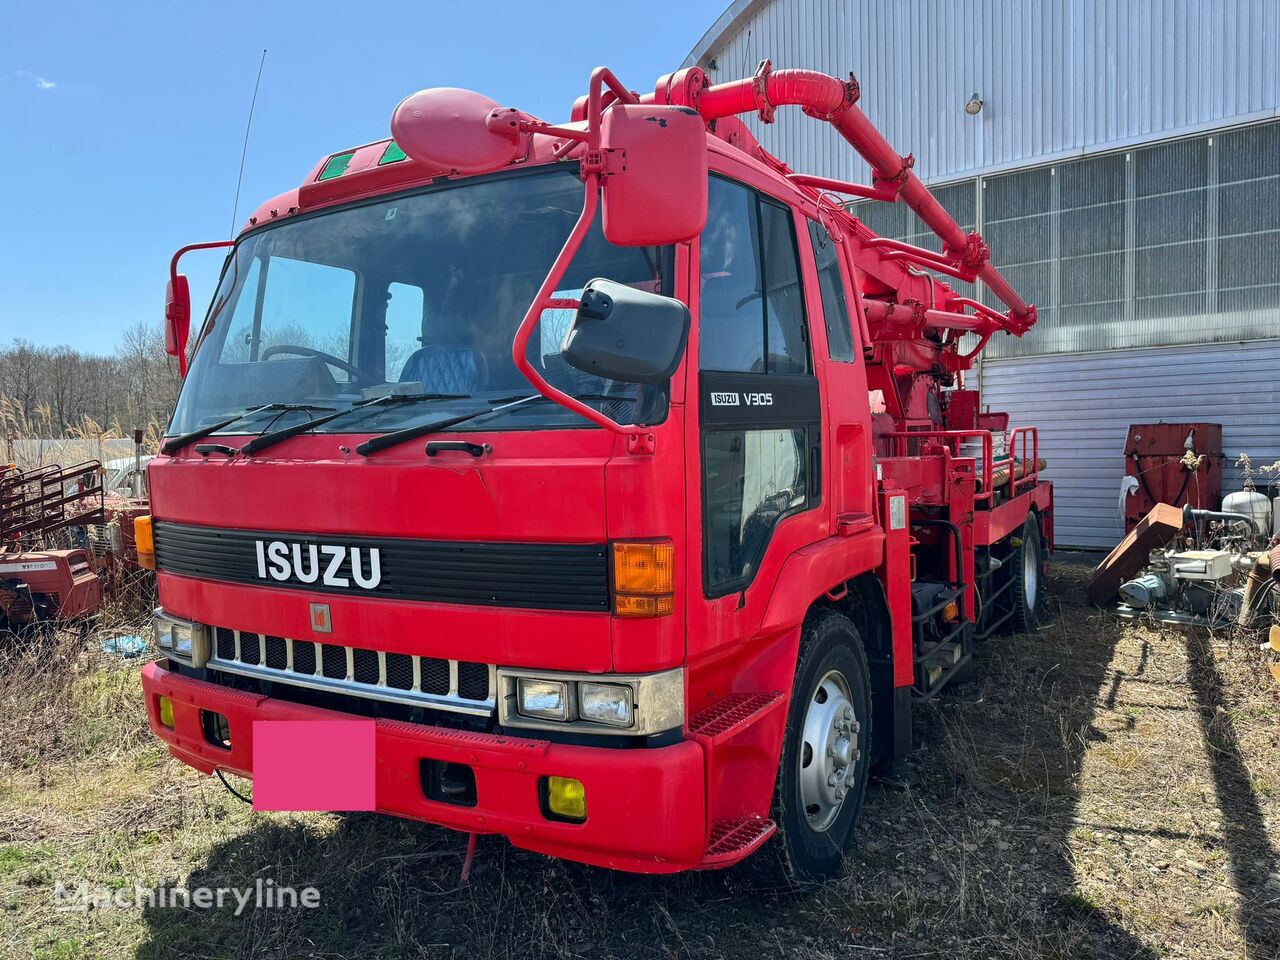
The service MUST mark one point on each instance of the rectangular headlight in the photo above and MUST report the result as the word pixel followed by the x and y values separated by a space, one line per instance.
pixel 542 699
pixel 180 637
pixel 609 703
pixel 617 704
pixel 163 629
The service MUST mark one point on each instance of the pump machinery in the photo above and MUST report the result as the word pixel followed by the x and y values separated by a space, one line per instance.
pixel 618 476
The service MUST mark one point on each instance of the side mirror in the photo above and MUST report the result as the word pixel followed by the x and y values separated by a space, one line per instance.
pixel 656 192
pixel 621 333
pixel 177 318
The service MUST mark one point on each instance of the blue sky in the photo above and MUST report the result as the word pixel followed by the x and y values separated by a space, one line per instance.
pixel 121 124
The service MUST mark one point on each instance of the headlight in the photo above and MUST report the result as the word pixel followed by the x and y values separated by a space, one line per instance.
pixel 605 703
pixel 542 699
pixel 181 637
pixel 640 704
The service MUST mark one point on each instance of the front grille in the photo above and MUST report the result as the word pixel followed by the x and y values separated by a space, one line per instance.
pixel 461 686
pixel 534 576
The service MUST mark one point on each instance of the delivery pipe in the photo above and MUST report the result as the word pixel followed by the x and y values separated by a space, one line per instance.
pixel 828 98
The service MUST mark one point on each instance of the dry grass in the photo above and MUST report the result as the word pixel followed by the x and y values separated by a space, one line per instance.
pixel 37 439
pixel 1101 791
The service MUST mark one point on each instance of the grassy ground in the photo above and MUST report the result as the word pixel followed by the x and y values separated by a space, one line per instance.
pixel 1101 791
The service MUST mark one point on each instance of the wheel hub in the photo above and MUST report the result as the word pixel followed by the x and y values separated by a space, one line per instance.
pixel 829 752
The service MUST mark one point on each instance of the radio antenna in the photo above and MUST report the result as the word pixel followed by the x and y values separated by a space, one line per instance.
pixel 244 151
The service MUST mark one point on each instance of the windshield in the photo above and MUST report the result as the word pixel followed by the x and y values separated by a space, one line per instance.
pixel 418 294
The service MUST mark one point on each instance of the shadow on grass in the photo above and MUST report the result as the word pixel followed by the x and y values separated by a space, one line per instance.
pixel 1252 860
pixel 389 888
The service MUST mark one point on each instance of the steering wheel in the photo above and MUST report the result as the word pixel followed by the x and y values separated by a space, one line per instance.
pixel 300 351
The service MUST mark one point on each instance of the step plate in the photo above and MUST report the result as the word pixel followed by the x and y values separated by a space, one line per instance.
pixel 722 720
pixel 732 840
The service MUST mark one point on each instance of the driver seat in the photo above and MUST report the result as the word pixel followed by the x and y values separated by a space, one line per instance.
pixel 446 368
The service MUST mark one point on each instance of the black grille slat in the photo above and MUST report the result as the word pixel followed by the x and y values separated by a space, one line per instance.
pixel 250 649
pixel 473 681
pixel 365 666
pixel 304 657
pixel 226 644
pixel 277 653
pixel 435 676
pixel 335 662
pixel 400 671
pixel 548 576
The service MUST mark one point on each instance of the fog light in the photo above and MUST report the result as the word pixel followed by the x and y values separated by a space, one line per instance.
pixel 543 699
pixel 166 712
pixel 566 798
pixel 605 703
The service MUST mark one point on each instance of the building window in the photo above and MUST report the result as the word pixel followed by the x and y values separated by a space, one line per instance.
pixel 1172 243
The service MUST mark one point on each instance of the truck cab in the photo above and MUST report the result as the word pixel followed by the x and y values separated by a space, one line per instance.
pixel 644 621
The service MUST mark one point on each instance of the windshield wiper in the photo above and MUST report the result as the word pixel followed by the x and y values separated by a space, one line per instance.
pixel 389 399
pixel 374 444
pixel 175 444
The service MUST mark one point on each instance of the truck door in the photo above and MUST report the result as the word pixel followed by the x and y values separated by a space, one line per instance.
pixel 845 381
pixel 760 440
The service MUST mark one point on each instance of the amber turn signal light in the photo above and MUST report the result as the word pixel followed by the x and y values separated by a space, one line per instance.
pixel 144 542
pixel 644 578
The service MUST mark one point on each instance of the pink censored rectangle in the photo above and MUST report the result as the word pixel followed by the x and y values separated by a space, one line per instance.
pixel 314 764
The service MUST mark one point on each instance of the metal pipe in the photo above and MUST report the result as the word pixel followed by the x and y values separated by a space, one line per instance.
pixel 1189 513
pixel 827 98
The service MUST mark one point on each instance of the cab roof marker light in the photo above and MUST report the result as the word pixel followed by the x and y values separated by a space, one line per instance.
pixel 336 165
pixel 393 154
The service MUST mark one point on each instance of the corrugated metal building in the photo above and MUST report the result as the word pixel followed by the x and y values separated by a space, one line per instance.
pixel 1125 168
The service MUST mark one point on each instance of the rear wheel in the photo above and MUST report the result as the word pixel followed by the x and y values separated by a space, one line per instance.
pixel 1027 561
pixel 826 754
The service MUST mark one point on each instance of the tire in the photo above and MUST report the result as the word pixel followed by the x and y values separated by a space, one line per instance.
pixel 814 824
pixel 1027 561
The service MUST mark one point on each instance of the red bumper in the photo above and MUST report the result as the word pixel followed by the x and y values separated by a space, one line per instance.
pixel 646 808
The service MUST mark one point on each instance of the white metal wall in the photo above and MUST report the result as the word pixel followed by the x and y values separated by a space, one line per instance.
pixel 1084 403
pixel 1059 77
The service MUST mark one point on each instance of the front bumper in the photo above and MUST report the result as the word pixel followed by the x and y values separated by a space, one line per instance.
pixel 646 808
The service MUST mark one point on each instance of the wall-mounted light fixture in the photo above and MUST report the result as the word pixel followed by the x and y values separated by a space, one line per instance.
pixel 973 106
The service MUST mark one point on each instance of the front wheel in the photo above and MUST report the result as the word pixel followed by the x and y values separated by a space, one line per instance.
pixel 826 754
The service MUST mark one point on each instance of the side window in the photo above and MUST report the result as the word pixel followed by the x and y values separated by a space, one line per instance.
pixel 753 479
pixel 835 308
pixel 752 308
pixel 760 408
pixel 404 327
pixel 785 338
pixel 731 325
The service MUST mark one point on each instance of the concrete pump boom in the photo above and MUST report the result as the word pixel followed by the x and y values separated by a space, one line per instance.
pixel 896 298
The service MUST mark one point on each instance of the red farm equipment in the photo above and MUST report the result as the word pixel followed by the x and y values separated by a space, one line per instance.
pixel 571 485
pixel 47 574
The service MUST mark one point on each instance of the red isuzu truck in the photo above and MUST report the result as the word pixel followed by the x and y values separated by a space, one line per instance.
pixel 616 473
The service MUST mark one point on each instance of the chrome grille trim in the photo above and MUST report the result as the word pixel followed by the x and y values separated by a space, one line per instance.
pixel 414 696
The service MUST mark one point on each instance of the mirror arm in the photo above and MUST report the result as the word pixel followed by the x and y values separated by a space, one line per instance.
pixel 543 300
pixel 173 278
pixel 208 245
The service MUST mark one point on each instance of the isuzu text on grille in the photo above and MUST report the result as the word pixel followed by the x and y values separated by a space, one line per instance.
pixel 309 562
